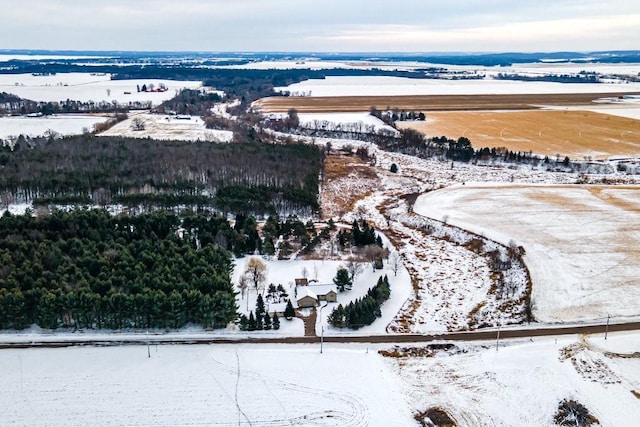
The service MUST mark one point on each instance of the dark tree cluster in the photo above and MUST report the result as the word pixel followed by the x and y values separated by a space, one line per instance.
pixel 190 101
pixel 88 269
pixel 362 311
pixel 582 77
pixel 360 235
pixel 11 104
pixel 390 116
pixel 261 320
pixel 295 235
pixel 240 178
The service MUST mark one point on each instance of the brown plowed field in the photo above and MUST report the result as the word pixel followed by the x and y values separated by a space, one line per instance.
pixel 546 132
pixel 425 102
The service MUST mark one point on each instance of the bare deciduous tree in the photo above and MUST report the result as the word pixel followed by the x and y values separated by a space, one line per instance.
pixel 395 262
pixel 138 124
pixel 374 254
pixel 354 267
pixel 256 271
pixel 242 284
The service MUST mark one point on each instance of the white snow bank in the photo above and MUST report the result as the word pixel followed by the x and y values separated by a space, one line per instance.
pixel 388 86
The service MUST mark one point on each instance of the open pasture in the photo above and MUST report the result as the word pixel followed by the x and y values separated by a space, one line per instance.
pixel 581 242
pixel 570 133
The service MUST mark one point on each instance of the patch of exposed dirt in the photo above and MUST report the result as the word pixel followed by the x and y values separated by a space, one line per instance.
pixel 435 417
pixel 347 179
pixel 423 351
pixel 588 365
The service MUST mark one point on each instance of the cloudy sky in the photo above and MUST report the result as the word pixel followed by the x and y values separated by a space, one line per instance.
pixel 321 25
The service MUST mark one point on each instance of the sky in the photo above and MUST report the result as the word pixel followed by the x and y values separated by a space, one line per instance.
pixel 321 25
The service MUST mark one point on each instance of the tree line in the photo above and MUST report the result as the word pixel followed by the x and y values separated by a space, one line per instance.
pixel 89 269
pixel 362 311
pixel 229 178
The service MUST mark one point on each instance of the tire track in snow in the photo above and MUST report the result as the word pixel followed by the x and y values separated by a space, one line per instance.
pixel 358 415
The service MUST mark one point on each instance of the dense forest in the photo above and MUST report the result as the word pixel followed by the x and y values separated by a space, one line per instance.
pixel 228 178
pixel 88 269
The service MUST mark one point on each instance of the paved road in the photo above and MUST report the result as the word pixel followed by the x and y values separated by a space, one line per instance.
pixel 110 340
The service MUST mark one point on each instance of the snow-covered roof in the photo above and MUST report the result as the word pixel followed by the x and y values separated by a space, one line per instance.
pixel 323 289
pixel 304 291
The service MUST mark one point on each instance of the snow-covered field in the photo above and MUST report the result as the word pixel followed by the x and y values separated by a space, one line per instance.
pixel 67 124
pixel 522 383
pixel 212 385
pixel 343 121
pixel 165 127
pixel 86 87
pixel 581 242
pixel 629 110
pixel 387 86
pixel 629 69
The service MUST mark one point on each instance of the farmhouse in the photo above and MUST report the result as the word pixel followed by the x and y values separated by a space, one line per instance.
pixel 305 297
pixel 311 295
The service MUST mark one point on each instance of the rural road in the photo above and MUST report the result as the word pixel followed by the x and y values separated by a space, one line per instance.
pixel 114 340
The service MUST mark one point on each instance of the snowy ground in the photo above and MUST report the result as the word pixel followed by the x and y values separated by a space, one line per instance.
pixel 67 124
pixel 581 242
pixel 359 122
pixel 284 273
pixel 348 384
pixel 532 69
pixel 387 86
pixel 628 109
pixel 522 383
pixel 219 385
pixel 86 87
pixel 165 127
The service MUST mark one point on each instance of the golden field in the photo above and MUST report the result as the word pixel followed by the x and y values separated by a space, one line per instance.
pixel 545 132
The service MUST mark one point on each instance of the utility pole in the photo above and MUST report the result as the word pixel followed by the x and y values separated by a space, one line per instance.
pixel 606 329
pixel 498 337
pixel 148 350
pixel 322 326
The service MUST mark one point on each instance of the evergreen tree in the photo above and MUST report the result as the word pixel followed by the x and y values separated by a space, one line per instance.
pixel 244 323
pixel 260 312
pixel 276 321
pixel 251 324
pixel 267 322
pixel 342 280
pixel 289 312
pixel 336 318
